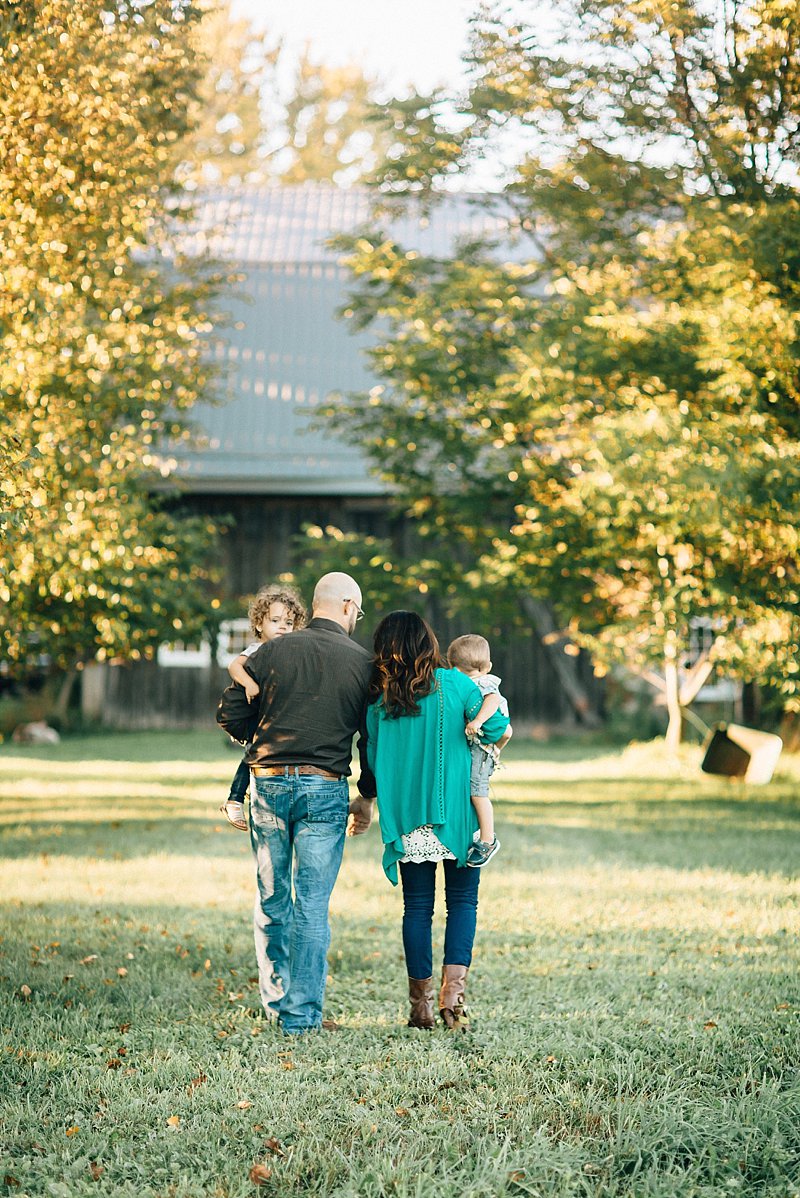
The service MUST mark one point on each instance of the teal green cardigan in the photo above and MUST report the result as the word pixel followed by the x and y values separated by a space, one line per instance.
pixel 422 765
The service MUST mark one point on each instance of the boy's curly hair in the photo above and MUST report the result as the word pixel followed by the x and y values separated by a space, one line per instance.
pixel 276 592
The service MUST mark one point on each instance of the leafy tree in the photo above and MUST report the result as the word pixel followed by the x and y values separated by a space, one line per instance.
pixel 229 140
pixel 16 461
pixel 247 131
pixel 103 344
pixel 332 131
pixel 610 417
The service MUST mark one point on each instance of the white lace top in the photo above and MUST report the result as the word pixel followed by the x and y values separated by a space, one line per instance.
pixel 424 845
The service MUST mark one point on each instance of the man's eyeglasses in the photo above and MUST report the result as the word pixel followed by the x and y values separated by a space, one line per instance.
pixel 360 615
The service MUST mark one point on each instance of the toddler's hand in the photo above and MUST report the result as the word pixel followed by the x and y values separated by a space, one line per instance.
pixel 472 729
pixel 251 689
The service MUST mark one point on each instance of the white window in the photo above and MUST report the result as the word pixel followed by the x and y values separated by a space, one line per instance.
pixel 234 636
pixel 180 654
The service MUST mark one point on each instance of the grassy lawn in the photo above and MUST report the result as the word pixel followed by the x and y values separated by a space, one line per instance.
pixel 635 993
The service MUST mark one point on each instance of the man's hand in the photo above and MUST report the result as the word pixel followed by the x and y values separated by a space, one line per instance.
pixel 251 689
pixel 360 816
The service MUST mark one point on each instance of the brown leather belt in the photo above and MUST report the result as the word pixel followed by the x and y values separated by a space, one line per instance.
pixel 269 771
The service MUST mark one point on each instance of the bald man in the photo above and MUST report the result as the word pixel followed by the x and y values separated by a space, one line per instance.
pixel 312 700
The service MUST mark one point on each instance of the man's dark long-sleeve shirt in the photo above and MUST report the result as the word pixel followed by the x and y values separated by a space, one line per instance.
pixel 313 698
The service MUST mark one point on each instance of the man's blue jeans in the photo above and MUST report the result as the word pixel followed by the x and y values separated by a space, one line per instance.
pixel 297 825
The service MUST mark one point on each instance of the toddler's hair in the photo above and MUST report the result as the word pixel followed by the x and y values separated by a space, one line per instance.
pixel 276 592
pixel 470 652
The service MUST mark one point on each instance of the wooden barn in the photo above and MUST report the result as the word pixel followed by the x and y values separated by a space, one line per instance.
pixel 264 467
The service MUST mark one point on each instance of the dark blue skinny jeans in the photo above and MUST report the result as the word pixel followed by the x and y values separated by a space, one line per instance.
pixel 461 902
pixel 240 784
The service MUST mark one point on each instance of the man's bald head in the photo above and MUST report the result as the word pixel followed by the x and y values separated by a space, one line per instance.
pixel 337 597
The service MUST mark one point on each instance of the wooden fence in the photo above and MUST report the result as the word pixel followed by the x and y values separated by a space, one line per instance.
pixel 144 695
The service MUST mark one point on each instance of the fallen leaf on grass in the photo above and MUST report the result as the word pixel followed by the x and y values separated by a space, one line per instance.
pixel 26 992
pixel 401 1110
pixel 274 1146
pixel 8 1180
pixel 196 1081
pixel 124 1027
pixel 95 1170
pixel 592 1170
pixel 174 1122
pixel 244 1105
pixel 122 972
pixel 88 960
pixel 71 1131
pixel 287 1065
pixel 517 1175
pixel 260 1174
pixel 709 1026
pixel 113 1063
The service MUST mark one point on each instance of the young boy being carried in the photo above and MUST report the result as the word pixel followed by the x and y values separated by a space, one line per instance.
pixel 275 611
pixel 470 655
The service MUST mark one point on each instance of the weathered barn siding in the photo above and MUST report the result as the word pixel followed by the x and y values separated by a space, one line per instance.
pixel 262 465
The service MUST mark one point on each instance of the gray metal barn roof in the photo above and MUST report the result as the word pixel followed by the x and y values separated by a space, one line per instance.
pixel 285 351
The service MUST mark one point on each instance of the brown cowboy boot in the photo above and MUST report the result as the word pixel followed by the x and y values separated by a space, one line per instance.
pixel 420 992
pixel 451 996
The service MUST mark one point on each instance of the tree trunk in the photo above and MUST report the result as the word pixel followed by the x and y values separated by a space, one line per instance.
pixel 61 706
pixel 751 704
pixel 675 726
pixel 545 627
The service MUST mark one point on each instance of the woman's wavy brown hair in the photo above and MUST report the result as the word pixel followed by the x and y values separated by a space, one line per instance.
pixel 406 656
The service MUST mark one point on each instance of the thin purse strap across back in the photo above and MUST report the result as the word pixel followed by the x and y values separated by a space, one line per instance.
pixel 440 748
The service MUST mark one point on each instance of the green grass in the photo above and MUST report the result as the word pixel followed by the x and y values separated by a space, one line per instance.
pixel 635 992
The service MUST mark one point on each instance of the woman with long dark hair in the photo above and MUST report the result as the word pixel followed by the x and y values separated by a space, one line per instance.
pixel 420 756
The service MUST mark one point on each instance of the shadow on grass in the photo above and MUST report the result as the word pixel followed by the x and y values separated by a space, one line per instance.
pixel 738 835
pixel 124 838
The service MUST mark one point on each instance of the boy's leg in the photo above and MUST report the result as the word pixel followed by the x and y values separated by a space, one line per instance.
pixel 481 770
pixel 240 784
pixel 233 807
pixel 485 814
pixel 486 843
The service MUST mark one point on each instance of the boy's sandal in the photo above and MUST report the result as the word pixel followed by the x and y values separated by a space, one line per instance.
pixel 239 824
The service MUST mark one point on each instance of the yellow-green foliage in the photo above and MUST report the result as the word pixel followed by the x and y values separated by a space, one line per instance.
pixel 102 341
